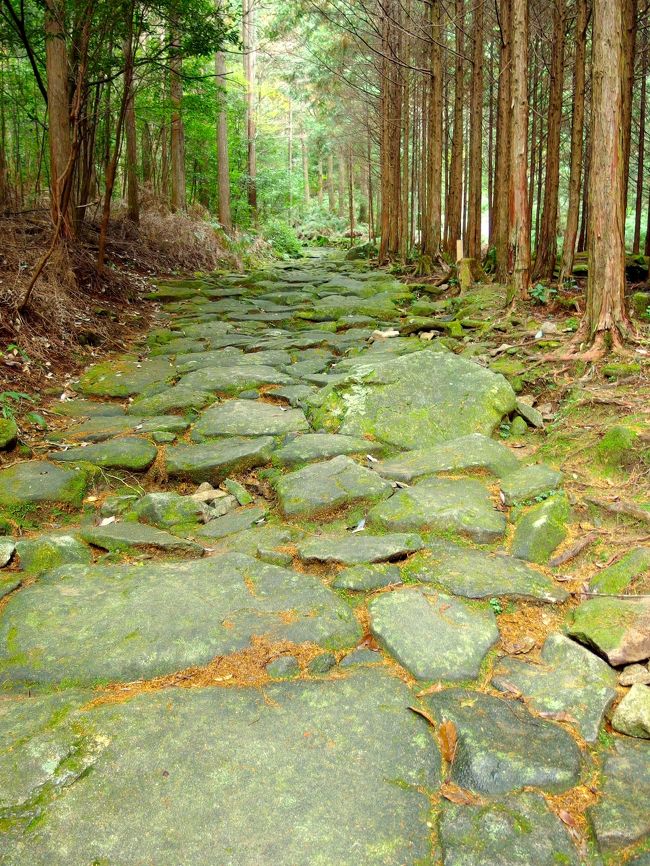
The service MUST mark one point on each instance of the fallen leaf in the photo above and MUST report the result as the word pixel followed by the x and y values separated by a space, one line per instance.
pixel 448 741
pixel 559 717
pixel 507 686
pixel 107 521
pixel 458 795
pixel 424 715
pixel 519 647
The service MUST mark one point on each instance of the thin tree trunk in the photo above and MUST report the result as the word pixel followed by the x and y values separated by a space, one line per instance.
pixel 584 222
pixel 351 194
pixel 640 165
pixel 433 232
pixel 250 74
pixel 475 193
pixel 519 256
pixel 133 206
pixel 577 130
pixel 331 198
pixel 320 181
pixel 179 195
pixel 58 105
pixel 455 193
pixel 342 183
pixel 630 20
pixel 605 309
pixel 305 170
pixel 500 212
pixel 223 157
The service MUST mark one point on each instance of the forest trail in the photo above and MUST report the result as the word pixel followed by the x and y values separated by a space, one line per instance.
pixel 293 604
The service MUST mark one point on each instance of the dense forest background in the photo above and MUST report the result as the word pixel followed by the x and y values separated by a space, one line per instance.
pixel 156 137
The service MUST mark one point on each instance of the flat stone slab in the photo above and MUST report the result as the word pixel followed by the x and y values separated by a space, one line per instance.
pixel 621 816
pixel 502 748
pixel 571 682
pixel 50 551
pixel 215 461
pixel 479 574
pixel 417 400
pixel 129 452
pixel 319 446
pixel 180 398
pixel 364 578
pixel 87 624
pixel 442 505
pixel 236 521
pixel 232 380
pixel 37 483
pixel 7 548
pixel 124 378
pixel 359 547
pixel 189 772
pixel 516 830
pixel 616 628
pixel 434 636
pixel 321 486
pixel 469 452
pixel 541 530
pixel 528 482
pixel 166 510
pixel 130 535
pixel 249 418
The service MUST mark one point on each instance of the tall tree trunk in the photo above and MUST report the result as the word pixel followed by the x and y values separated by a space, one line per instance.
pixel 351 194
pixel 546 245
pixel 58 106
pixel 584 221
pixel 331 197
pixel 305 169
pixel 605 309
pixel 132 203
pixel 630 21
pixel 433 236
pixel 475 193
pixel 519 253
pixel 250 74
pixel 179 195
pixel 320 181
pixel 500 210
pixel 391 126
pixel 455 192
pixel 577 130
pixel 223 157
pixel 640 164
pixel 147 155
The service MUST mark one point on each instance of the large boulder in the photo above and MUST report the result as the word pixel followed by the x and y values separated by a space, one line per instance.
pixel 415 401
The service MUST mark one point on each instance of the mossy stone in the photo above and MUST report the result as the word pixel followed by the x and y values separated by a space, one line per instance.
pixel 38 555
pixel 641 305
pixel 619 370
pixel 542 529
pixel 283 668
pixel 36 483
pixel 616 578
pixel 167 510
pixel 8 433
pixel 618 446
pixel 124 378
pixel 129 452
pixel 518 427
pixel 616 628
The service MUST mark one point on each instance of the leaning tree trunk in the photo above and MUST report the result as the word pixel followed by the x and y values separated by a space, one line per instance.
pixel 475 193
pixel 577 131
pixel 605 314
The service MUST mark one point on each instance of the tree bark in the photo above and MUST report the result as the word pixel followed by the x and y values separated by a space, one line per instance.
pixel 640 164
pixel 546 257
pixel 519 247
pixel 475 193
pixel 630 18
pixel 500 209
pixel 605 309
pixel 179 195
pixel 132 202
pixel 305 170
pixel 250 74
pixel 432 236
pixel 58 106
pixel 331 198
pixel 223 158
pixel 577 131
pixel 455 193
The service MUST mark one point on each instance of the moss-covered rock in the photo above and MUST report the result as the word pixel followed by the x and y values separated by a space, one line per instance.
pixel 130 452
pixel 38 555
pixel 541 529
pixel 27 486
pixel 168 510
pixel 619 370
pixel 616 578
pixel 618 446
pixel 8 433
pixel 616 628
pixel 641 305
pixel 123 378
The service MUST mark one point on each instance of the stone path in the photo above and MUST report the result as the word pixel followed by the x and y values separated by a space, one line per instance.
pixel 253 599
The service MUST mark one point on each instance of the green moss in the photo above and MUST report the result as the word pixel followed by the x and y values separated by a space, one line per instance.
pixel 620 370
pixel 618 446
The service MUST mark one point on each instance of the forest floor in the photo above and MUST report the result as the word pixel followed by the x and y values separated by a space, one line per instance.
pixel 329 569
